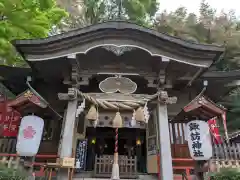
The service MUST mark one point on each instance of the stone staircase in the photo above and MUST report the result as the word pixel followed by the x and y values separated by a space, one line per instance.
pixel 141 177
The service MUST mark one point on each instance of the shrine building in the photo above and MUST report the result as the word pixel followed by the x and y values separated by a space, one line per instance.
pixel 80 81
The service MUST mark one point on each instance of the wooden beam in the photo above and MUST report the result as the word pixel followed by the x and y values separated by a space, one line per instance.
pixel 165 142
pixel 109 96
pixel 162 74
pixel 195 76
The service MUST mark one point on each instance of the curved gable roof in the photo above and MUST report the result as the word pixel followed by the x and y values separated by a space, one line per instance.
pixel 119 31
pixel 119 25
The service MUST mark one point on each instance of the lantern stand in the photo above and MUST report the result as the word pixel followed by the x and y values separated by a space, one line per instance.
pixel 33 161
pixel 32 167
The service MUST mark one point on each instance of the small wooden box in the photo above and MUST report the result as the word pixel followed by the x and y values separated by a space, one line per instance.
pixel 67 162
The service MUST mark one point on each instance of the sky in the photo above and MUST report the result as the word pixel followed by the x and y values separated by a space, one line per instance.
pixel 193 5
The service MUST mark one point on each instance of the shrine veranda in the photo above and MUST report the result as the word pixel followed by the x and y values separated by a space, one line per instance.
pixel 90 82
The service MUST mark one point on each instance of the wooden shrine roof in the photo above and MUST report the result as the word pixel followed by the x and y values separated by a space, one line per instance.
pixel 220 83
pixel 114 25
pixel 14 78
pixel 114 32
pixel 25 100
pixel 223 75
pixel 201 107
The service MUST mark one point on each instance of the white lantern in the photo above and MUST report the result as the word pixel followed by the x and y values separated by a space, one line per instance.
pixel 199 140
pixel 29 135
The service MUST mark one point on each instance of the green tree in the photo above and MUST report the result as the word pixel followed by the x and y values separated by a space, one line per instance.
pixel 94 11
pixel 25 19
pixel 209 28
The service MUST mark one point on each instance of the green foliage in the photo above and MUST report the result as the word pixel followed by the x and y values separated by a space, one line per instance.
pixel 232 103
pixel 226 174
pixel 95 11
pixel 207 28
pixel 25 19
pixel 11 174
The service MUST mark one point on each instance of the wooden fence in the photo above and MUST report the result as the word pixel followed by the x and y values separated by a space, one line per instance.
pixel 8 145
pixel 127 166
pixel 15 162
pixel 226 151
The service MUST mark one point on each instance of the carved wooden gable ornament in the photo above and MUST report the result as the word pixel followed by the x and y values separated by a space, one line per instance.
pixel 118 84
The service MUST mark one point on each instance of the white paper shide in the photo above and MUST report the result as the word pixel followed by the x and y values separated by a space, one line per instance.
pixel 199 140
pixel 29 136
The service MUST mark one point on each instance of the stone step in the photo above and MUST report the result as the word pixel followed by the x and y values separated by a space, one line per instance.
pixel 142 177
pixel 100 179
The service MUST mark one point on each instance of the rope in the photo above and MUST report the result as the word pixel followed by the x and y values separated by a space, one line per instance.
pixel 116 141
pixel 115 105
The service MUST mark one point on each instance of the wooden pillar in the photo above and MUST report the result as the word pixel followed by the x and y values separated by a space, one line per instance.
pixel 67 137
pixel 164 137
pixel 165 145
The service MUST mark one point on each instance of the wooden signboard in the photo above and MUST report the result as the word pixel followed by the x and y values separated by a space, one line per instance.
pixel 67 162
pixel 81 155
pixel 151 135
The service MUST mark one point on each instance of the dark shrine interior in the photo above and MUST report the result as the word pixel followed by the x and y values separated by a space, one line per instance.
pixel 131 143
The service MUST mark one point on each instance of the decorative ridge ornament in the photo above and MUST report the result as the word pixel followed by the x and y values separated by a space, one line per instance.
pixel 118 84
pixel 118 50
pixel 165 99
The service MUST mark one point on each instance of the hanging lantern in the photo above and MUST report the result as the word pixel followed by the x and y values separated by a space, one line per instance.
pixel 139 116
pixel 138 142
pixel 93 141
pixel 30 135
pixel 117 121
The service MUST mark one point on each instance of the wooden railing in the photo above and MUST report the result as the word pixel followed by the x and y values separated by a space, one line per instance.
pixel 222 151
pixel 14 161
pixel 8 145
pixel 226 151
pixel 127 166
pixel 180 151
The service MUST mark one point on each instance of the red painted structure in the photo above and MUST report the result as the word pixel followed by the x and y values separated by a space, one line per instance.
pixel 10 112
